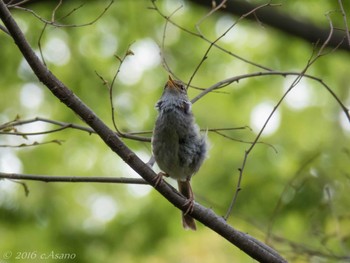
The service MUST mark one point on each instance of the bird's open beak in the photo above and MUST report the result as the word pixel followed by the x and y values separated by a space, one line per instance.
pixel 171 83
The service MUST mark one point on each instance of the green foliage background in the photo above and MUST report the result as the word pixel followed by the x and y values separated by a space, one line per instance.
pixel 295 184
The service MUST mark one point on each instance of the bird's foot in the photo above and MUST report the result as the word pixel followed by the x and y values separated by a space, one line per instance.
pixel 190 205
pixel 159 178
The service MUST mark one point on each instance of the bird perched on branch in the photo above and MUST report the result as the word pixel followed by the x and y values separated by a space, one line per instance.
pixel 177 144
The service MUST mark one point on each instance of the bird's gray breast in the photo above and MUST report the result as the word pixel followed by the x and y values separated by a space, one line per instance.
pixel 178 147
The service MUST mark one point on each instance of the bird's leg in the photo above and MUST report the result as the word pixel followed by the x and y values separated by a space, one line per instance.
pixel 151 161
pixel 159 178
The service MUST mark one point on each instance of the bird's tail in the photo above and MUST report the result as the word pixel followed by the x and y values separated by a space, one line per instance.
pixel 186 190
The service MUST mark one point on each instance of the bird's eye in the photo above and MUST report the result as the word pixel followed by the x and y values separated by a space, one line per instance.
pixel 182 87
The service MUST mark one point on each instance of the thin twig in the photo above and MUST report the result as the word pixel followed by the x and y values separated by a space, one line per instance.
pixel 110 87
pixel 39 43
pixel 73 179
pixel 290 184
pixel 9 5
pixel 43 31
pixel 212 11
pixel 243 141
pixel 226 82
pixel 198 35
pixel 213 43
pixel 55 10
pixel 347 32
pixel 162 49
pixel 71 12
pixel 64 125
pixel 4 29
pixel 59 142
pixel 24 185
pixel 54 23
pixel 23 134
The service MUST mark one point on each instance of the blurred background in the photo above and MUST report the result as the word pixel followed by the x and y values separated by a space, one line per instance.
pixel 294 183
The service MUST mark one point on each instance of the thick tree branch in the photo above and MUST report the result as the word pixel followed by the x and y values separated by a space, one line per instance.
pixel 248 244
pixel 303 29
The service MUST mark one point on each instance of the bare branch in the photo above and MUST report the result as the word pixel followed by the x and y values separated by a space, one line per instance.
pixel 110 87
pixel 54 23
pixel 242 141
pixel 347 32
pixel 9 4
pixel 164 62
pixel 226 82
pixel 73 179
pixel 4 29
pixel 24 185
pixel 55 10
pixel 198 35
pixel 215 8
pixel 213 43
pixel 59 142
pixel 64 125
pixel 9 127
pixel 39 43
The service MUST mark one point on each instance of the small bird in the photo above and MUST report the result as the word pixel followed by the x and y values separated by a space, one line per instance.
pixel 178 147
